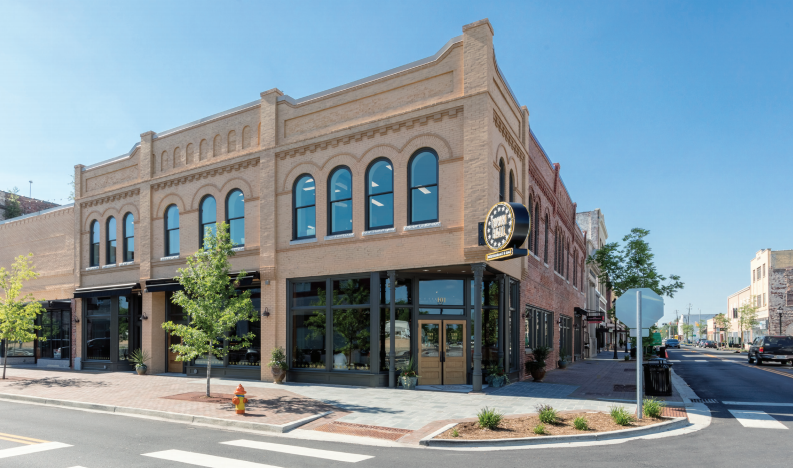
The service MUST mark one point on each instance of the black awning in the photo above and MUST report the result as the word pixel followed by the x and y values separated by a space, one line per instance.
pixel 112 290
pixel 170 284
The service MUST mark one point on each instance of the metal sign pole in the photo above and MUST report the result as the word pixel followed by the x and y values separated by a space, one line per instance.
pixel 639 355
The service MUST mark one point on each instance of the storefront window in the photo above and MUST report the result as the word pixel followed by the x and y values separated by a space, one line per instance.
pixel 403 291
pixel 97 331
pixel 307 294
pixel 252 354
pixel 56 329
pixel 123 328
pixel 401 340
pixel 350 292
pixel 308 339
pixel 441 294
pixel 351 339
pixel 489 292
pixel 21 349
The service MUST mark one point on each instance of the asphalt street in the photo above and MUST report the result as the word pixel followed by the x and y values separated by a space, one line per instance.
pixel 93 440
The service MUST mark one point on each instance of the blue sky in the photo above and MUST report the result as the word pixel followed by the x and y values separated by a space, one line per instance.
pixel 671 116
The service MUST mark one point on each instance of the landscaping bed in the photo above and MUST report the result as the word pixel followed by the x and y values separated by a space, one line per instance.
pixel 513 428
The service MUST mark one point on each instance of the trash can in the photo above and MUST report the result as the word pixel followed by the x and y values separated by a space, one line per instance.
pixel 662 352
pixel 657 377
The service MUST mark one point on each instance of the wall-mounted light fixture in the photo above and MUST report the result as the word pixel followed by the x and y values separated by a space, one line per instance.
pixel 266 282
pixel 266 312
pixel 144 317
pixel 76 319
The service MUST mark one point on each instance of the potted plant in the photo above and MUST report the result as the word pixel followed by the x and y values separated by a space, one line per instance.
pixel 537 367
pixel 139 357
pixel 496 377
pixel 562 361
pixel 408 377
pixel 278 364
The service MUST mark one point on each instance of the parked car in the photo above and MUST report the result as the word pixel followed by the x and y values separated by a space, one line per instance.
pixel 772 348
pixel 672 343
pixel 709 344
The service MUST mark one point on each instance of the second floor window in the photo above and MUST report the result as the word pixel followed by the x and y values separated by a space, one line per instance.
pixel 340 201
pixel 305 215
pixel 235 215
pixel 94 251
pixel 511 187
pixel 110 254
pixel 171 231
pixel 423 183
pixel 129 237
pixel 501 179
pixel 380 195
pixel 207 219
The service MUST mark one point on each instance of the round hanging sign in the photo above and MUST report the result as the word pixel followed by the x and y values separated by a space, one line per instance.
pixel 507 226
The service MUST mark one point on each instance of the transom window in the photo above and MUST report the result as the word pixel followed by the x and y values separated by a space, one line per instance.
pixel 340 201
pixel 305 215
pixel 94 251
pixel 380 195
pixel 207 218
pixel 172 231
pixel 129 237
pixel 423 184
pixel 110 254
pixel 235 215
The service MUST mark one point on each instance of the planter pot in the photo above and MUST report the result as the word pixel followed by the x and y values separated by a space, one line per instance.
pixel 408 383
pixel 498 381
pixel 141 369
pixel 562 364
pixel 538 374
pixel 278 374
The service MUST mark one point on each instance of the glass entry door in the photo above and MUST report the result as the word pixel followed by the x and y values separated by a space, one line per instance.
pixel 442 352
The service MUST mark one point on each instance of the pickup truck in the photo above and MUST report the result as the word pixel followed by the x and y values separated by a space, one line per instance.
pixel 771 348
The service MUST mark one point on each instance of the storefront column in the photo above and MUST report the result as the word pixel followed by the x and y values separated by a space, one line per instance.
pixel 392 325
pixel 153 336
pixel 503 310
pixel 479 269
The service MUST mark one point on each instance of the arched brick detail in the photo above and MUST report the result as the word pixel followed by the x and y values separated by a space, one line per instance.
pixel 169 199
pixel 237 183
pixel 198 195
pixel 429 140
pixel 303 168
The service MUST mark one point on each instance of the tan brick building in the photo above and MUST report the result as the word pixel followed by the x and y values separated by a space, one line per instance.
pixel 335 196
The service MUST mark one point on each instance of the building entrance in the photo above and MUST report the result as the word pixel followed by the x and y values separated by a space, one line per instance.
pixel 442 352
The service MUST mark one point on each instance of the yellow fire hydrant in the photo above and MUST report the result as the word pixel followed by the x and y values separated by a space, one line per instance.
pixel 239 399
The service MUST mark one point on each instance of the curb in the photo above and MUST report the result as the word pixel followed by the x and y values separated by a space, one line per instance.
pixel 675 423
pixel 178 417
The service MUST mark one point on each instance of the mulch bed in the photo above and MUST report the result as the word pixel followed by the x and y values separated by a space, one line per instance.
pixel 201 397
pixel 378 432
pixel 524 427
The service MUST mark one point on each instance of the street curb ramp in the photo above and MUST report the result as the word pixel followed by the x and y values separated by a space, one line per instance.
pixel 165 415
pixel 430 441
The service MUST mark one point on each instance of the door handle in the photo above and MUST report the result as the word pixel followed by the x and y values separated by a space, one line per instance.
pixel 443 356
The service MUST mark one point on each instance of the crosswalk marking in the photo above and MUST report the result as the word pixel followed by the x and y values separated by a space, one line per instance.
pixel 295 450
pixel 756 419
pixel 27 449
pixel 674 360
pixel 754 403
pixel 700 360
pixel 200 459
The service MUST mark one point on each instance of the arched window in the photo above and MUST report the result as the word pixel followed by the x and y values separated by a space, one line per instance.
pixel 567 260
pixel 501 175
pixel 94 251
pixel 537 228
pixel 545 253
pixel 511 187
pixel 423 183
pixel 531 226
pixel 235 216
pixel 305 214
pixel 340 201
pixel 380 195
pixel 207 218
pixel 110 245
pixel 171 231
pixel 129 237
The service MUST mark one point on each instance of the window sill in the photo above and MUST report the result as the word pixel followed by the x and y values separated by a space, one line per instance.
pixel 111 265
pixel 172 257
pixel 303 241
pixel 238 249
pixel 415 227
pixel 348 235
pixel 92 268
pixel 374 232
pixel 126 264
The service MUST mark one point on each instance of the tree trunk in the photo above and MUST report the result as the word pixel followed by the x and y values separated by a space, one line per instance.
pixel 5 359
pixel 209 366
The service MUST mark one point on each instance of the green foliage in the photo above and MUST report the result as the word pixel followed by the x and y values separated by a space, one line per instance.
pixel 489 418
pixel 688 329
pixel 455 433
pixel 409 369
pixel 627 357
pixel 747 318
pixel 12 206
pixel 722 322
pixel 652 408
pixel 540 354
pixel 539 429
pixel 581 423
pixel 17 312
pixel 278 358
pixel 211 302
pixel 547 414
pixel 139 357
pixel 621 416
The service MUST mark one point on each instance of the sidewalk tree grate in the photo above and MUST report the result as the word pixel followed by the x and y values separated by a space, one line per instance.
pixel 624 388
pixel 629 370
pixel 704 400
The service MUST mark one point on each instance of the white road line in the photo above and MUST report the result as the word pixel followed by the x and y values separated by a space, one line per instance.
pixel 27 449
pixel 295 450
pixel 756 419
pixel 700 360
pixel 674 360
pixel 200 459
pixel 754 403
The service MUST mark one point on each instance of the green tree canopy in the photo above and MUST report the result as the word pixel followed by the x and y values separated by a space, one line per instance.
pixel 18 312
pixel 12 206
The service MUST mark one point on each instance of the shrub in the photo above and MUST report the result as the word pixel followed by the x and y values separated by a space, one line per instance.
pixel 539 429
pixel 581 423
pixel 489 418
pixel 547 414
pixel 455 433
pixel 652 408
pixel 627 357
pixel 621 416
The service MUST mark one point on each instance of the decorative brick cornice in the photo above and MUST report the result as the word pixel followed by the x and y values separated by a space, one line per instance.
pixel 110 198
pixel 379 131
pixel 215 171
pixel 508 136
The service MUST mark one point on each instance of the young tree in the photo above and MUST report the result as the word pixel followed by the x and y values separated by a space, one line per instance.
pixel 211 302
pixel 703 329
pixel 723 322
pixel 13 208
pixel 18 313
pixel 688 329
pixel 747 318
